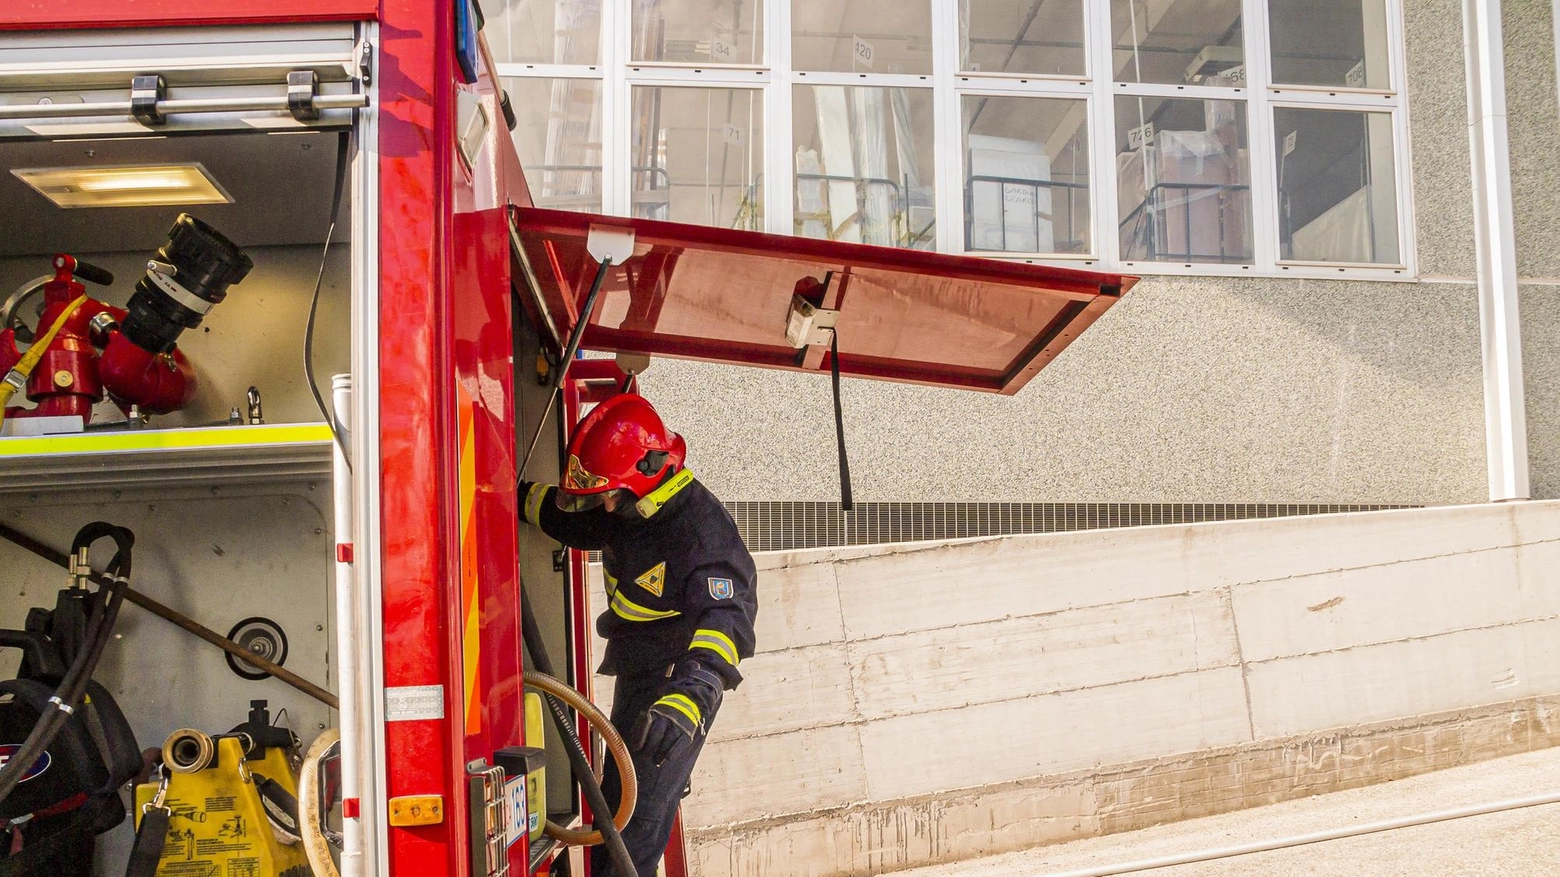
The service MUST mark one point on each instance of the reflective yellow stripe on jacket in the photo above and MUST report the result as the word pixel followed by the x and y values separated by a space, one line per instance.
pixel 716 642
pixel 533 504
pixel 631 611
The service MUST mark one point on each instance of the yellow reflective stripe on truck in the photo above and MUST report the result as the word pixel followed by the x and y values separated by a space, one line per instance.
pixel 716 642
pixel 628 609
pixel 168 439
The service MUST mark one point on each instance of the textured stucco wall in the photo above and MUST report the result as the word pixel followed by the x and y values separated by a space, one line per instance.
pixel 1438 133
pixel 1533 122
pixel 1540 309
pixel 1191 389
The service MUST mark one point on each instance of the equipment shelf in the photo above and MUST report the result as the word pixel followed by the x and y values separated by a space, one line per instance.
pixel 166 457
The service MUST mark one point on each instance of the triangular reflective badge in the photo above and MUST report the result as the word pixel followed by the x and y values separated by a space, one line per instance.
pixel 654 581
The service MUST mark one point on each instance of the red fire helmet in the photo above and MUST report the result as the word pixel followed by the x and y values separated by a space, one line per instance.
pixel 621 445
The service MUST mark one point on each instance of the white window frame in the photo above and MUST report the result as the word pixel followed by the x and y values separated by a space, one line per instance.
pixel 949 86
pixel 661 76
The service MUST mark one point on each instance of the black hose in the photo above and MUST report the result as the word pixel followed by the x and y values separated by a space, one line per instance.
pixel 600 811
pixel 67 697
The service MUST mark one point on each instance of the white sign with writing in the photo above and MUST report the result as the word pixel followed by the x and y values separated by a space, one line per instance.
pixel 863 51
pixel 1289 141
pixel 410 703
pixel 1140 135
pixel 721 52
pixel 733 135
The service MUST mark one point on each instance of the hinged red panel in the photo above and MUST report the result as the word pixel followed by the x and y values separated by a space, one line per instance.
pixel 80 14
pixel 724 295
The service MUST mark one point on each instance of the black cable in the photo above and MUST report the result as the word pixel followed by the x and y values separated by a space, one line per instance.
pixel 846 503
pixel 342 144
pixel 68 695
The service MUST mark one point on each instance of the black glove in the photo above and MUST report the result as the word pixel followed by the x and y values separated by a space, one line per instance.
pixel 662 731
pixel 681 714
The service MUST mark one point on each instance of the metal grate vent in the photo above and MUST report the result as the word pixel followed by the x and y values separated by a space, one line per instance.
pixel 784 526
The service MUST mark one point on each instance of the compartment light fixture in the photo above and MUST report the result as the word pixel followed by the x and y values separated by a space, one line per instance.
pixel 152 185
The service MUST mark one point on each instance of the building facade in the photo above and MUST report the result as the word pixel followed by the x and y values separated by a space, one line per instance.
pixel 1349 293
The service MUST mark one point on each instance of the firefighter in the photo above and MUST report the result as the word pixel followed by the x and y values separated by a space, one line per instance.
pixel 680 589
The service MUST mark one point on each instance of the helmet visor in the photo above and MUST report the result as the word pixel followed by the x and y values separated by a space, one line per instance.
pixel 613 500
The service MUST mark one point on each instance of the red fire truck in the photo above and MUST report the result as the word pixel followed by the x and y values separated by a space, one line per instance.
pixel 354 549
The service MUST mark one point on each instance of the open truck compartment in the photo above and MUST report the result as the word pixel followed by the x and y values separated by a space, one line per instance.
pixel 230 497
pixel 366 540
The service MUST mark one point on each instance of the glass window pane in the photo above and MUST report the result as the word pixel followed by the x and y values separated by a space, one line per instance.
pixel 543 31
pixel 558 136
pixel 1184 182
pixel 862 36
pixel 1337 186
pixel 1329 42
pixel 1177 42
pixel 864 165
pixel 1022 36
pixel 1026 175
pixel 699 31
pixel 698 155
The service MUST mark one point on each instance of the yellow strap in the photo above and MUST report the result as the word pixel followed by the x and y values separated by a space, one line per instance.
pixel 683 704
pixel 716 642
pixel 659 497
pixel 29 361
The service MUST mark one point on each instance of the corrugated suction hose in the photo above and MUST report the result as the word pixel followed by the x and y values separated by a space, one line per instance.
pixel 621 759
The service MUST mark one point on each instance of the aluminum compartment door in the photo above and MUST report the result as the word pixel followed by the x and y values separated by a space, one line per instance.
pixel 723 295
pixel 235 70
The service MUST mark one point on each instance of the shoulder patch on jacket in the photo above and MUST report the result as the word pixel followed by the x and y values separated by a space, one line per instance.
pixel 722 589
pixel 654 580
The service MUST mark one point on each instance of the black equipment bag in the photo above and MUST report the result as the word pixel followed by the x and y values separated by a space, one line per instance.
pixel 71 793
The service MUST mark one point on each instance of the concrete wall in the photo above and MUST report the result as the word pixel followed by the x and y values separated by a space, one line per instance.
pixel 918 703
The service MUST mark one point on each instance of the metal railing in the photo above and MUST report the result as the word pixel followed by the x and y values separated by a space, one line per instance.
pixel 898 195
pixel 663 181
pixel 1149 238
pixel 1068 243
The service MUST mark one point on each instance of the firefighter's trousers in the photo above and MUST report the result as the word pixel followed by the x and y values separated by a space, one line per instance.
pixel 660 788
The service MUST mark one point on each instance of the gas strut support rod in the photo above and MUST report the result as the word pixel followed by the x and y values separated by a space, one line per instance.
pixel 179 619
pixel 560 371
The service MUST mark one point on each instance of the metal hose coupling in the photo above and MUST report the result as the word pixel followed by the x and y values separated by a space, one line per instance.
pixel 189 751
